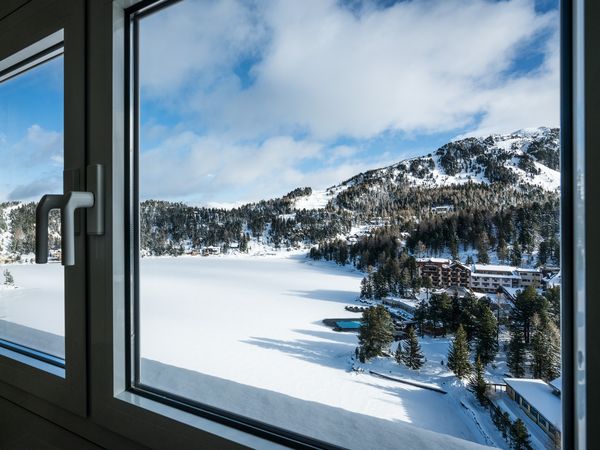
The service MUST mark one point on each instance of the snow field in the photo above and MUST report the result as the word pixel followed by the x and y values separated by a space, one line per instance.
pixel 245 334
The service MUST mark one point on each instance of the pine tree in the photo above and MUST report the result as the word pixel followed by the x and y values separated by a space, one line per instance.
pixel 545 349
pixel 366 288
pixel 420 315
pixel 412 356
pixel 516 354
pixel 458 355
pixel 486 334
pixel 519 436
pixel 376 332
pixel 8 278
pixel 399 355
pixel 477 383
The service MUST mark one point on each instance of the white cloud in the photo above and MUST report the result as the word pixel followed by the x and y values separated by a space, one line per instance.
pixel 262 92
pixel 323 70
pixel 32 165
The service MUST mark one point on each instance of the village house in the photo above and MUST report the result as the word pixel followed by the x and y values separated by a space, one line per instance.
pixel 540 401
pixel 444 272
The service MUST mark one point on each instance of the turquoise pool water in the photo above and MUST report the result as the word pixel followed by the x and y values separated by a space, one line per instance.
pixel 351 324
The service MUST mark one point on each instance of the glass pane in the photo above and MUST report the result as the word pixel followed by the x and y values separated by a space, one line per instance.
pixel 31 151
pixel 344 206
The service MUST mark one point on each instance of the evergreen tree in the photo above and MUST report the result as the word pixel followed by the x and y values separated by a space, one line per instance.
pixel 526 305
pixel 519 436
pixel 399 355
pixel 516 255
pixel 420 315
pixel 516 354
pixel 366 288
pixel 380 288
pixel 376 332
pixel 458 355
pixel 477 383
pixel 545 349
pixel 412 356
pixel 469 260
pixel 8 278
pixel 428 285
pixel 486 335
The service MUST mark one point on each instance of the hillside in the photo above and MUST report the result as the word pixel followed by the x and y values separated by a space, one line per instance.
pixel 493 191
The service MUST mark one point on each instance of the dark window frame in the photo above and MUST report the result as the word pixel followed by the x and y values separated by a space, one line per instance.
pixel 146 7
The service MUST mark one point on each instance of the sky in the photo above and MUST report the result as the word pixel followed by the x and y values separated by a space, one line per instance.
pixel 244 100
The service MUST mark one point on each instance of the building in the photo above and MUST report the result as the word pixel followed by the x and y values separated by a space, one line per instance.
pixel 211 250
pixel 491 277
pixel 539 400
pixel 530 277
pixel 444 272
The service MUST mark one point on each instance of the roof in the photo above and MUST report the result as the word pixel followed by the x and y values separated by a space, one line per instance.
pixel 540 395
pixel 526 270
pixel 434 260
pixel 494 267
pixel 556 383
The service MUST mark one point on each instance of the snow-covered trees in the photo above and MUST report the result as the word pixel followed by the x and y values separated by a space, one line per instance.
pixel 376 332
pixel 8 278
pixel 477 382
pixel 516 354
pixel 486 335
pixel 519 436
pixel 458 355
pixel 545 349
pixel 409 351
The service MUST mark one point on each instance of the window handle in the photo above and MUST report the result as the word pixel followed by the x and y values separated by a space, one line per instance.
pixel 72 200
pixel 68 203
pixel 46 204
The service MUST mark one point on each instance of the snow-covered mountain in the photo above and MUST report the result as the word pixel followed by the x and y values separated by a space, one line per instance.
pixel 525 158
pixel 474 179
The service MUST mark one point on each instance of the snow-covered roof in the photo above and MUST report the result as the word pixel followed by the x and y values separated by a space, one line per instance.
pixel 540 395
pixel 556 383
pixel 555 280
pixel 494 268
pixel 512 292
pixel 434 260
pixel 527 270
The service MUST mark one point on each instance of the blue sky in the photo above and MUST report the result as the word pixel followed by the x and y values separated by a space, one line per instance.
pixel 31 130
pixel 248 100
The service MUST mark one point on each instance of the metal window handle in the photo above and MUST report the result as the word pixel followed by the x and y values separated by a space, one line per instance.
pixel 46 204
pixel 68 203
pixel 72 201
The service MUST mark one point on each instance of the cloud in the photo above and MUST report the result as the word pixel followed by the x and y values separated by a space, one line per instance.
pixel 207 169
pixel 35 189
pixel 247 100
pixel 31 165
pixel 316 68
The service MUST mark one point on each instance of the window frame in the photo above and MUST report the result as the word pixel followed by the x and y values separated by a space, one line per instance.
pixel 116 414
pixel 30 31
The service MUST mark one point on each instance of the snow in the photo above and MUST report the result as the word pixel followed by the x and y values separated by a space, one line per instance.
pixel 539 395
pixel 246 334
pixel 32 313
pixel 556 383
pixel 493 268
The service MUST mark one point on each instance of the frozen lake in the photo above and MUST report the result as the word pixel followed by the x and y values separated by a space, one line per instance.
pixel 245 333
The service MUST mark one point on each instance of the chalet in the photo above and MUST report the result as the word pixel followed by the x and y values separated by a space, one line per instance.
pixel 444 272
pixel 540 401
pixel 211 250
pixel 444 209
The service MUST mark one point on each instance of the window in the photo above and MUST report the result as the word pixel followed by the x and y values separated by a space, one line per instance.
pixel 199 314
pixel 43 338
pixel 31 124
pixel 256 232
